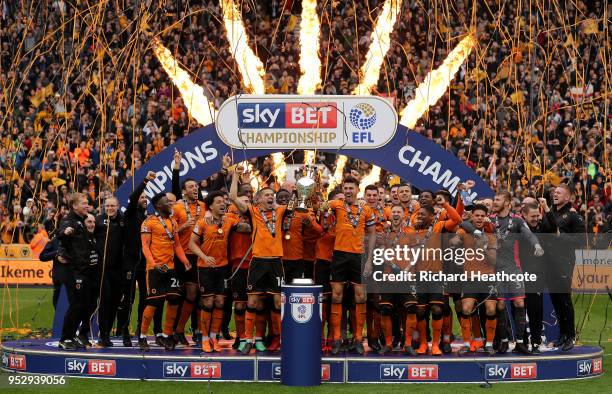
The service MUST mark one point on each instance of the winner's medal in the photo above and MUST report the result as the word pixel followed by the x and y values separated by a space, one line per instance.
pixel 219 226
pixel 287 236
pixel 270 225
pixel 353 220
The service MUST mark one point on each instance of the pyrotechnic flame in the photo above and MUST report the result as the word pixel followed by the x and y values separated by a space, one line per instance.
pixel 370 179
pixel 436 83
pixel 335 179
pixel 379 45
pixel 250 66
pixel 193 95
pixel 280 167
pixel 254 184
pixel 310 63
pixel 252 71
pixel 309 157
pixel 261 181
pixel 253 175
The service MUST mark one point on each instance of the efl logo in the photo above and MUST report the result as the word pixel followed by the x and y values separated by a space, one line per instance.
pixel 325 371
pixel 362 117
pixel 511 371
pixel 192 370
pixel 287 115
pixel 408 372
pixel 301 306
pixel 14 361
pixel 589 367
pixel 81 366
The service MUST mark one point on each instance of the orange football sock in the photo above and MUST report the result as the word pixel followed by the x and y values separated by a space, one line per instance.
pixel 185 315
pixel 205 317
pixel 490 326
pixel 239 319
pixel 476 331
pixel 377 323
pixel 387 329
pixel 466 328
pixel 411 324
pixel 447 327
pixel 422 326
pixel 260 324
pixel 360 318
pixel 335 321
pixel 171 311
pixel 436 327
pixel 276 322
pixel 217 320
pixel 249 322
pixel 147 317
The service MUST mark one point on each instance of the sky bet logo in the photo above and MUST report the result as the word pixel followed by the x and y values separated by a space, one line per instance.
pixel 301 122
pixel 589 367
pixel 276 371
pixel 511 371
pixel 14 361
pixel 81 366
pixel 408 372
pixel 192 370
pixel 287 115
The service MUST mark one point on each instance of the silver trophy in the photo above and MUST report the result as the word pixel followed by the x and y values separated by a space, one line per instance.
pixel 305 187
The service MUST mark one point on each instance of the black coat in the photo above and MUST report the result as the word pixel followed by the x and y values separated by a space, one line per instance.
pixel 572 234
pixel 109 239
pixel 133 218
pixel 538 264
pixel 74 248
pixel 568 221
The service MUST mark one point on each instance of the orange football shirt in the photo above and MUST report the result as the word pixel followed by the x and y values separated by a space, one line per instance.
pixel 474 264
pixel 325 244
pixel 264 244
pixel 311 237
pixel 196 211
pixel 213 243
pixel 406 237
pixel 239 244
pixel 382 214
pixel 162 246
pixel 349 238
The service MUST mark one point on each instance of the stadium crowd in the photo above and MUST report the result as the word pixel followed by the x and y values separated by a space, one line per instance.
pixel 527 112
pixel 55 140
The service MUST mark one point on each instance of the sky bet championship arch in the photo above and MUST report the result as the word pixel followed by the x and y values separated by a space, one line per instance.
pixel 362 127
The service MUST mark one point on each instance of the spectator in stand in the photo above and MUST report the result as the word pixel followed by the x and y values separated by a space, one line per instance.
pixel 89 115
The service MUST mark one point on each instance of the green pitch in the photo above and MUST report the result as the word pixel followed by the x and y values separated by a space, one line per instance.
pixel 31 309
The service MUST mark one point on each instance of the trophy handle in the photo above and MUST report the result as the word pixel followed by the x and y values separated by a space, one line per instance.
pixel 291 203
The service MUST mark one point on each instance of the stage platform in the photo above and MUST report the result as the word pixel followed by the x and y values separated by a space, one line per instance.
pixel 42 356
